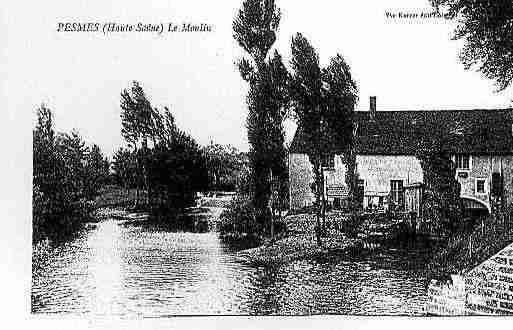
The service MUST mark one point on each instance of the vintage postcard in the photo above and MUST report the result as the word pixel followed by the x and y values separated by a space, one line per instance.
pixel 266 158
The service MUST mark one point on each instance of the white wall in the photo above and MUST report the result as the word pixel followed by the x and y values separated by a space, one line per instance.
pixel 377 171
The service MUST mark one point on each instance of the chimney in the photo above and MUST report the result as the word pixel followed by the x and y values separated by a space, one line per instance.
pixel 372 108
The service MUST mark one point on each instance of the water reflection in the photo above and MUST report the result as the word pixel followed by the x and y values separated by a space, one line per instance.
pixel 127 271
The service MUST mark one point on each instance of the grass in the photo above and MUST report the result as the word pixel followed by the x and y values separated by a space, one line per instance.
pixel 299 242
pixel 466 250
pixel 116 196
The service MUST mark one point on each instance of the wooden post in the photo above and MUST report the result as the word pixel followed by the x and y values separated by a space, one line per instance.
pixel 323 201
pixel 470 246
pixel 271 202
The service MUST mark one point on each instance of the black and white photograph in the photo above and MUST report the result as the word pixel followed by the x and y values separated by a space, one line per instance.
pixel 261 158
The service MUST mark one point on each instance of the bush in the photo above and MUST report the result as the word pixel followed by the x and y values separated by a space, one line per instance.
pixel 468 248
pixel 351 227
pixel 238 221
pixel 66 176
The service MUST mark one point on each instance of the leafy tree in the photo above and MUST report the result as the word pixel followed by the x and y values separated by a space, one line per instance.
pixel 176 167
pixel 486 26
pixel 74 152
pixel 137 121
pixel 60 205
pixel 124 168
pixel 136 116
pixel 441 200
pixel 323 101
pixel 46 173
pixel 340 98
pixel 224 165
pixel 255 30
pixel 97 171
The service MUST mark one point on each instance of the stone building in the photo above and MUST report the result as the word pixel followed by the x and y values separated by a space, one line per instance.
pixel 385 144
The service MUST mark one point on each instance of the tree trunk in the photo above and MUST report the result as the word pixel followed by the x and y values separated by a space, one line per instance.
pixel 271 202
pixel 145 170
pixel 323 202
pixel 318 209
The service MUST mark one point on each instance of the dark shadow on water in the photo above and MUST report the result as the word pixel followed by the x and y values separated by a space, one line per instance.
pixel 199 223
pixel 239 243
pixel 406 254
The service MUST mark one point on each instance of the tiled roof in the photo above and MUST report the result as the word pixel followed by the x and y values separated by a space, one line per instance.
pixel 399 132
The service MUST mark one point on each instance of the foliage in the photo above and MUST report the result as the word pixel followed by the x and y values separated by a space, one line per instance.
pixel 470 248
pixel 255 28
pixel 486 26
pixel 352 225
pixel 136 115
pixel 67 175
pixel 113 196
pixel 97 171
pixel 441 202
pixel 239 219
pixel 225 165
pixel 124 166
pixel 239 226
pixel 173 169
pixel 323 102
pixel 136 127
pixel 176 168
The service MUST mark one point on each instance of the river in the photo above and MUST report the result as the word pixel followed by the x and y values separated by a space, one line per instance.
pixel 128 271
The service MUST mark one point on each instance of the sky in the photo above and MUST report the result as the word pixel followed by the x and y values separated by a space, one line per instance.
pixel 409 64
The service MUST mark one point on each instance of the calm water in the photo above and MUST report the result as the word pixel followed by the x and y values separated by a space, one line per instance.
pixel 114 270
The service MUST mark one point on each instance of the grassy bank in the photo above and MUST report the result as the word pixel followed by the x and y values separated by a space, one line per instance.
pixel 115 196
pixel 299 242
pixel 466 250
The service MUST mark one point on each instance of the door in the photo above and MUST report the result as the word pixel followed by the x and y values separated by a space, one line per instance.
pixel 397 194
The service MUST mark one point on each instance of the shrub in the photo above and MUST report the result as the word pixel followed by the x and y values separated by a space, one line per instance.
pixel 351 227
pixel 468 248
pixel 238 221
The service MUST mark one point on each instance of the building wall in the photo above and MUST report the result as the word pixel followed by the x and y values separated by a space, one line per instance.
pixel 507 170
pixel 300 179
pixel 378 170
pixel 482 167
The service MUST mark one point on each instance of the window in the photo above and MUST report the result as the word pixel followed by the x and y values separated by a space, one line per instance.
pixel 463 162
pixel 360 192
pixel 397 193
pixel 497 184
pixel 328 162
pixel 480 186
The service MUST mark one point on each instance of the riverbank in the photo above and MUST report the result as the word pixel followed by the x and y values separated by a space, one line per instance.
pixel 299 242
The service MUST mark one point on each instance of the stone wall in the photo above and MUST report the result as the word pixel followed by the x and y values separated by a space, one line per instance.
pixel 489 286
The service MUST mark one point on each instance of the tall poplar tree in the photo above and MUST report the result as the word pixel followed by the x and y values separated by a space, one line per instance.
pixel 137 127
pixel 323 101
pixel 255 29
